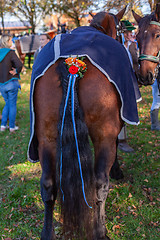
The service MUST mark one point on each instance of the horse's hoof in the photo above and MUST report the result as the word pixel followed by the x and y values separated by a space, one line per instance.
pixel 105 238
pixel 47 237
pixel 101 233
pixel 117 175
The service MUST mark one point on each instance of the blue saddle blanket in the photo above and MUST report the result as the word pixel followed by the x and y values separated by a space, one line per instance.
pixel 108 55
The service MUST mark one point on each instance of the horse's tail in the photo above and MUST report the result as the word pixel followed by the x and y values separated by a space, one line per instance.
pixel 75 172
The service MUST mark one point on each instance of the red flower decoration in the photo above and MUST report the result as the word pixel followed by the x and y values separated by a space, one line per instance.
pixel 73 69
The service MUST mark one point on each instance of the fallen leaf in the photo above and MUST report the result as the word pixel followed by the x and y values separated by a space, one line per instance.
pixel 150 198
pixel 116 227
pixel 145 180
pixel 138 229
pixel 123 213
pixel 134 206
pixel 11 158
pixel 22 179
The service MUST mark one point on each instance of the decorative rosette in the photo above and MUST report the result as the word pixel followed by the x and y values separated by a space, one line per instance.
pixel 76 65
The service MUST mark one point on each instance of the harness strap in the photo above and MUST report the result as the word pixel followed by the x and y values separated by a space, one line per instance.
pixel 155 23
pixel 150 57
pixel 115 21
pixel 117 24
pixel 96 25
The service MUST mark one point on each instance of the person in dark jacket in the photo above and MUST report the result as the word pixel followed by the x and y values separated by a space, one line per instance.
pixel 10 68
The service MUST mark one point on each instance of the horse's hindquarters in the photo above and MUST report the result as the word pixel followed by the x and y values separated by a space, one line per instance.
pixel 47 97
pixel 101 104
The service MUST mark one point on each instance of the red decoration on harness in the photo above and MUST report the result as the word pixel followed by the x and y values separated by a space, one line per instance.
pixel 73 69
pixel 76 65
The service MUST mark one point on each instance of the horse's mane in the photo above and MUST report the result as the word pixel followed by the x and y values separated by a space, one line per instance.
pixel 146 20
pixel 97 19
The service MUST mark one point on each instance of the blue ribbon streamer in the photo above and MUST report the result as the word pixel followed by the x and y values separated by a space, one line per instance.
pixel 71 84
pixel 75 135
pixel 123 39
pixel 64 113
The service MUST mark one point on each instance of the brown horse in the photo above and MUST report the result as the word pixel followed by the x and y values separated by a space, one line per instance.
pixel 108 24
pixel 97 112
pixel 148 39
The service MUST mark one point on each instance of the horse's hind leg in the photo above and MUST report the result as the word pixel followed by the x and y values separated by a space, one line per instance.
pixel 48 192
pixel 116 172
pixel 47 97
pixel 105 156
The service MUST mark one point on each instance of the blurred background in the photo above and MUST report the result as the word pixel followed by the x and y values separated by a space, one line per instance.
pixel 20 17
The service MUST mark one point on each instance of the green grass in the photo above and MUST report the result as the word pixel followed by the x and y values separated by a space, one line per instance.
pixel 132 207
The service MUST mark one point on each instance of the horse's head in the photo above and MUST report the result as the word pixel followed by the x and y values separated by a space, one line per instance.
pixel 148 39
pixel 108 23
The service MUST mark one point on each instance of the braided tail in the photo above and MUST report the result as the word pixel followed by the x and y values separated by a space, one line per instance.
pixel 75 161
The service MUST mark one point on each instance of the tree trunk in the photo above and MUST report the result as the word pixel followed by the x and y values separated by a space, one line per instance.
pixel 151 4
pixel 2 15
pixel 155 2
pixel 33 29
pixel 77 21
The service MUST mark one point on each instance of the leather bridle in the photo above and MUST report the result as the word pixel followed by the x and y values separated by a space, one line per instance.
pixel 151 58
pixel 118 26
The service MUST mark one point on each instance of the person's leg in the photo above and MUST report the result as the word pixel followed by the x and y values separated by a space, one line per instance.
pixel 0 114
pixel 5 111
pixel 122 141
pixel 12 96
pixel 155 124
